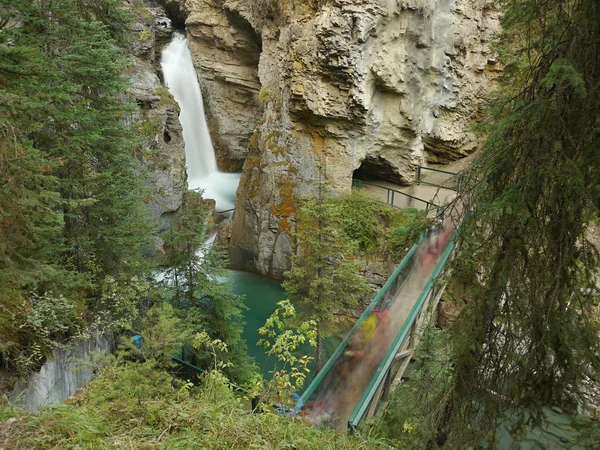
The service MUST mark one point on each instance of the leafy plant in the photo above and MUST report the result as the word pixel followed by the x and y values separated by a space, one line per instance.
pixel 145 35
pixel 282 340
pixel 216 381
pixel 324 278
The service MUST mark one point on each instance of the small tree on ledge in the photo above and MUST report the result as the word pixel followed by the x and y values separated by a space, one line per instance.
pixel 323 280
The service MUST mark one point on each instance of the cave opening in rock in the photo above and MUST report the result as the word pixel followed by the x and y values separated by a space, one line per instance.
pixel 166 136
pixel 174 12
pixel 377 168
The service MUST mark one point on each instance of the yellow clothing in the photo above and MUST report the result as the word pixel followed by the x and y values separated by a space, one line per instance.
pixel 368 327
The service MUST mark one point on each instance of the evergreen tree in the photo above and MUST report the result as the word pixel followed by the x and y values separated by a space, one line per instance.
pixel 187 252
pixel 71 210
pixel 529 334
pixel 324 280
pixel 195 269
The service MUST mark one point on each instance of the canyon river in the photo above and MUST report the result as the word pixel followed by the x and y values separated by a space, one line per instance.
pixel 261 294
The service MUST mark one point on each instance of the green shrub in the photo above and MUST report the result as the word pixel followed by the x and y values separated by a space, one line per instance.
pixel 376 228
pixel 408 226
pixel 145 35
pixel 365 220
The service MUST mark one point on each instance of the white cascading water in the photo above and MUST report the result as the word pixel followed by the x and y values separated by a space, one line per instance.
pixel 182 81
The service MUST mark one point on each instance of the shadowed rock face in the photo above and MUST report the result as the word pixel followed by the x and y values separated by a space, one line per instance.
pixel 163 149
pixel 378 168
pixel 173 10
pixel 314 89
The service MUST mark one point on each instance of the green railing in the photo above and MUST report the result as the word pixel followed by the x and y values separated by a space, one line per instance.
pixel 393 194
pixel 383 371
pixel 452 182
pixel 385 295
pixel 190 368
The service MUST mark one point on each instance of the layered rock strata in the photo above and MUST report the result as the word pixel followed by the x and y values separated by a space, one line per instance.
pixel 318 90
pixel 226 51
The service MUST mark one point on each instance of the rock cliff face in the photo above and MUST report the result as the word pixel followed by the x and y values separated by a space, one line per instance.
pixel 333 89
pixel 62 374
pixel 226 51
pixel 158 119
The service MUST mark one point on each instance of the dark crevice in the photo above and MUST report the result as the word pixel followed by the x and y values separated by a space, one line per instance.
pixel 376 168
pixel 166 136
pixel 174 12
pixel 252 45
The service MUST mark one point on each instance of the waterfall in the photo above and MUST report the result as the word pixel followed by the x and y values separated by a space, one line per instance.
pixel 182 81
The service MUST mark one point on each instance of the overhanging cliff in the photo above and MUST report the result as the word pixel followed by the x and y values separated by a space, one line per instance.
pixel 299 88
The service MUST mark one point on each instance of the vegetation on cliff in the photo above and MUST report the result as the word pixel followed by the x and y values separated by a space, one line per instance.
pixel 192 271
pixel 335 235
pixel 324 279
pixel 136 405
pixel 72 221
pixel 530 332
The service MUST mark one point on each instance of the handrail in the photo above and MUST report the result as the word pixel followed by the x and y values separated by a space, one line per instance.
pixel 205 372
pixel 421 181
pixel 331 361
pixel 438 170
pixel 382 370
pixel 358 182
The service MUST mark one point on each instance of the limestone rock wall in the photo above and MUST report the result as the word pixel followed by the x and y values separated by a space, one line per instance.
pixel 61 375
pixel 318 89
pixel 226 51
pixel 163 149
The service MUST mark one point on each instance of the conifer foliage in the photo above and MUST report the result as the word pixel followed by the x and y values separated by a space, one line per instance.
pixel 194 266
pixel 531 333
pixel 71 210
pixel 324 279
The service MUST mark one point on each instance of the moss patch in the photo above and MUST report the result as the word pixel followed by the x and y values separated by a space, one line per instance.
pixel 166 99
pixel 287 207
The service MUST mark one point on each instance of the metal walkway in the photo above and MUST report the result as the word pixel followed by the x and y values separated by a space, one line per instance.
pixel 358 378
pixel 356 381
pixel 434 188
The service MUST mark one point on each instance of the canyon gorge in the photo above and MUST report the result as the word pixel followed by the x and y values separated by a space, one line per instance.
pixel 296 92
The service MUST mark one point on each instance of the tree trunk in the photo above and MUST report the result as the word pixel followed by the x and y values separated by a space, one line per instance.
pixel 318 356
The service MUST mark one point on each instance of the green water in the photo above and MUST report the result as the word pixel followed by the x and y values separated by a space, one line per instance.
pixel 261 297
